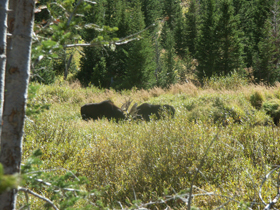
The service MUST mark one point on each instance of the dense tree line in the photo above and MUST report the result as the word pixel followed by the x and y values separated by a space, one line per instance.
pixel 219 36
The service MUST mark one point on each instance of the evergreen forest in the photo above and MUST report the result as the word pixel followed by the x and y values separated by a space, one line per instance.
pixel 180 41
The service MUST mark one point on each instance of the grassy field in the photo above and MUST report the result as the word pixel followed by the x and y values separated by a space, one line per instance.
pixel 222 139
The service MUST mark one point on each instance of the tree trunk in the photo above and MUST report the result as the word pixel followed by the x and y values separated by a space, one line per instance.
pixel 67 66
pixel 20 25
pixel 3 35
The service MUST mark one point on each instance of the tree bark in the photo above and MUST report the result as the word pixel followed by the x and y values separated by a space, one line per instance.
pixel 3 39
pixel 67 66
pixel 20 26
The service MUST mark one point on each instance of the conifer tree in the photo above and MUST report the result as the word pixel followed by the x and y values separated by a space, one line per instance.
pixel 152 10
pixel 229 46
pixel 267 61
pixel 191 26
pixel 238 4
pixel 180 36
pixel 172 13
pixel 169 61
pixel 116 60
pixel 137 56
pixel 92 56
pixel 207 40
pixel 173 40
pixel 127 65
pixel 252 19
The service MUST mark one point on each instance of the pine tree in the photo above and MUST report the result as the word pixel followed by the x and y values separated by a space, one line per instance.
pixel 173 40
pixel 229 44
pixel 129 65
pixel 252 19
pixel 169 61
pixel 180 36
pixel 238 4
pixel 137 56
pixel 92 56
pixel 152 11
pixel 191 26
pixel 206 41
pixel 266 63
pixel 172 13
pixel 116 60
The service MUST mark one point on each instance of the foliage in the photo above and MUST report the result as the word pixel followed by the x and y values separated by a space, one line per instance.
pixel 219 82
pixel 126 66
pixel 7 181
pixel 152 10
pixel 222 36
pixel 266 61
pixel 33 106
pixel 167 75
pixel 61 186
pixel 230 48
pixel 191 26
pixel 61 23
pixel 206 50
pixel 257 99
pixel 132 163
pixel 272 107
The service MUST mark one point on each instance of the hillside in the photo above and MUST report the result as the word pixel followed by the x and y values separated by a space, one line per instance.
pixel 225 130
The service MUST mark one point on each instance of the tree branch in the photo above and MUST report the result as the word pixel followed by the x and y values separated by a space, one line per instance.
pixel 121 41
pixel 271 204
pixel 38 196
pixel 74 11
pixel 91 2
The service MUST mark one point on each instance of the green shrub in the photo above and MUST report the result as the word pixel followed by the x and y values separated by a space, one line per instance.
pixel 224 109
pixel 257 99
pixel 233 81
pixel 272 107
pixel 7 182
pixel 34 106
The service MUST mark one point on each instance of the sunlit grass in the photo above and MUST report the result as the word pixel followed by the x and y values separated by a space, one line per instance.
pixel 147 161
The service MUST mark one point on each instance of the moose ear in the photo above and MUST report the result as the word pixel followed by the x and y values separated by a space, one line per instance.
pixel 133 110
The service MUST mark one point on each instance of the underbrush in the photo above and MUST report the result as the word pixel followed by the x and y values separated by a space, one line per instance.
pixel 155 161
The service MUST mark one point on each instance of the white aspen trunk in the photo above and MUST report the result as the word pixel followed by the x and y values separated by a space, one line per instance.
pixel 20 25
pixel 3 35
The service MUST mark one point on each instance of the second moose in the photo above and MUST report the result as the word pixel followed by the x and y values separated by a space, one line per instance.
pixel 147 110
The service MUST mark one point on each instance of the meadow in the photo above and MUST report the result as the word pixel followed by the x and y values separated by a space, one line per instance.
pixel 221 144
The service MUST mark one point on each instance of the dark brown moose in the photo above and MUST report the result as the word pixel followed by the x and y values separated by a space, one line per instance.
pixel 146 110
pixel 105 109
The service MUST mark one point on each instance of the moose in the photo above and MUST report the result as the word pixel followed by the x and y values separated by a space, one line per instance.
pixel 110 111
pixel 105 109
pixel 146 110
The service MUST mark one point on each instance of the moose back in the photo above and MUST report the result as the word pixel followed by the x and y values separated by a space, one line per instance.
pixel 105 109
pixel 146 110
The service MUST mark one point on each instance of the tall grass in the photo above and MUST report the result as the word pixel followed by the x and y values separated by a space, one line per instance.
pixel 147 161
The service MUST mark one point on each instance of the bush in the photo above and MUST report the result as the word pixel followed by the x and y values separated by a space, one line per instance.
pixel 225 109
pixel 272 107
pixel 233 81
pixel 257 99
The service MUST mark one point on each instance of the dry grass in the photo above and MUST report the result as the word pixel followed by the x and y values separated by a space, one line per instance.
pixel 159 158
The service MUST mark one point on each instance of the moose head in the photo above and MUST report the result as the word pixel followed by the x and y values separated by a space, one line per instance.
pixel 105 109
